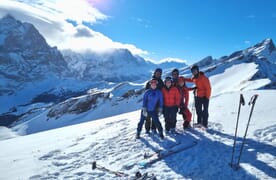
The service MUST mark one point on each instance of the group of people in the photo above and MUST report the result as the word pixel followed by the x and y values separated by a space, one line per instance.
pixel 170 97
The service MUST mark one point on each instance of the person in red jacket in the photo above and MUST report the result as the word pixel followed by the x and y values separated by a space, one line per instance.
pixel 203 94
pixel 184 102
pixel 171 104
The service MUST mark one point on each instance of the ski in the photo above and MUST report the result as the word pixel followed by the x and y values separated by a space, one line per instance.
pixel 148 155
pixel 102 168
pixel 163 154
pixel 137 176
pixel 200 127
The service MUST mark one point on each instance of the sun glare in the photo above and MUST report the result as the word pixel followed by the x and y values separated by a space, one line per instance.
pixel 102 5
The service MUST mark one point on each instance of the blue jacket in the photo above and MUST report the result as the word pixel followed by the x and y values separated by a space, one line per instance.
pixel 152 99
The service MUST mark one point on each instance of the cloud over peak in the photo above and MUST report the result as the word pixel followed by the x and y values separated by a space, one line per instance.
pixel 54 20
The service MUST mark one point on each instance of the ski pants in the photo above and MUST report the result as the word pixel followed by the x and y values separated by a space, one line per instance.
pixel 187 115
pixel 170 117
pixel 202 105
pixel 155 120
pixel 149 124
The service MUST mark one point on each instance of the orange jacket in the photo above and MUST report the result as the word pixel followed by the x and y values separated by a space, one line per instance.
pixel 171 96
pixel 203 85
pixel 184 95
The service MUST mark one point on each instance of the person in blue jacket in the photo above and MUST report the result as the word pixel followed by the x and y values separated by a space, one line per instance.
pixel 152 98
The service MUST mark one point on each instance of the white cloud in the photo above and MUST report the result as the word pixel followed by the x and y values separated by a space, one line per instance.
pixel 51 19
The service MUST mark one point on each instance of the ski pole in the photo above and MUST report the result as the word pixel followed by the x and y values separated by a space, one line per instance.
pixel 193 108
pixel 117 173
pixel 242 102
pixel 252 101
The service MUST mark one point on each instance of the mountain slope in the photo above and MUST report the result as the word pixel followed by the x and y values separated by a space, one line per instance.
pixel 67 153
pixel 114 65
pixel 240 71
pixel 25 56
pixel 252 68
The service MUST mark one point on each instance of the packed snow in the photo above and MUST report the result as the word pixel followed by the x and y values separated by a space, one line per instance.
pixel 67 153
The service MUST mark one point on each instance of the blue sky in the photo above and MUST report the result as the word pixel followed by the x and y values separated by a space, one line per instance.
pixel 154 29
pixel 189 30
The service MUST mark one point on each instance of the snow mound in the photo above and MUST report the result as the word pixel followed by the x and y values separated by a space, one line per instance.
pixel 6 133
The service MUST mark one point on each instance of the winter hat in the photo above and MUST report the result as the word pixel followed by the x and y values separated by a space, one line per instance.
pixel 181 79
pixel 168 79
pixel 175 71
pixel 195 67
pixel 158 70
pixel 153 81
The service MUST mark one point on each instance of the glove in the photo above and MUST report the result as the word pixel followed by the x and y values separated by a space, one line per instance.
pixel 181 109
pixel 160 111
pixel 176 109
pixel 144 112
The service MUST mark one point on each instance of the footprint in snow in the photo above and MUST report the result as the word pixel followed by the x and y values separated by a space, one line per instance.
pixel 50 155
pixel 267 134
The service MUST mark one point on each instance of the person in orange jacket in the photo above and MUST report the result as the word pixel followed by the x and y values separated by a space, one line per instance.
pixel 184 102
pixel 171 104
pixel 202 96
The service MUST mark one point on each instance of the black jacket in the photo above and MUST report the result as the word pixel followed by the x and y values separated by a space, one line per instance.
pixel 160 84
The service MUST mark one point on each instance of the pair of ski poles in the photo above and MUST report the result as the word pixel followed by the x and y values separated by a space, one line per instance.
pixel 242 102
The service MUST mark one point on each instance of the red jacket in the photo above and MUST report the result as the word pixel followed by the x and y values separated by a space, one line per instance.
pixel 171 96
pixel 184 95
pixel 203 85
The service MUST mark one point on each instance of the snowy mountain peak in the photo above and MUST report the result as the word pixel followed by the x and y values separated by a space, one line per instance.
pixel 8 22
pixel 205 61
pixel 268 43
pixel 124 65
pixel 266 49
pixel 25 56
pixel 18 36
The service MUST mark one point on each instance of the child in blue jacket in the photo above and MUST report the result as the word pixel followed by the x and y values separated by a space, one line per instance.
pixel 151 99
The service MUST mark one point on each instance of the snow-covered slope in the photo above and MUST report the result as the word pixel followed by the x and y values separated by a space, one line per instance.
pixel 95 104
pixel 67 153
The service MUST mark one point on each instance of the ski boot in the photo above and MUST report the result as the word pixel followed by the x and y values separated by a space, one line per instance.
pixel 138 135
